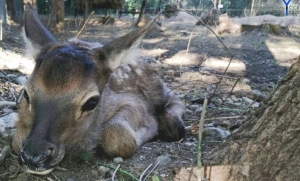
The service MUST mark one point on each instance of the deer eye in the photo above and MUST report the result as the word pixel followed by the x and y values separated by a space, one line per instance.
pixel 90 104
pixel 25 94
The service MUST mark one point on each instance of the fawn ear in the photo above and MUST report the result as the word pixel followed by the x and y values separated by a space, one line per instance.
pixel 123 49
pixel 35 34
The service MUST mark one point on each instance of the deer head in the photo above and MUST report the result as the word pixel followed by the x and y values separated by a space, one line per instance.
pixel 61 98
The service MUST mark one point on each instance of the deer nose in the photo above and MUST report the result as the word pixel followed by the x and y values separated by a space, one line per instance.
pixel 36 152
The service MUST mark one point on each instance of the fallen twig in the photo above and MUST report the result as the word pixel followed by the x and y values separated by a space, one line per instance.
pixel 85 24
pixel 113 176
pixel 243 111
pixel 201 123
pixel 151 170
pixel 221 78
pixel 60 168
pixel 187 50
pixel 223 100
pixel 121 171
pixel 50 179
pixel 55 176
pixel 4 153
pixel 141 177
pixel 230 117
pixel 230 90
pixel 7 104
pixel 12 90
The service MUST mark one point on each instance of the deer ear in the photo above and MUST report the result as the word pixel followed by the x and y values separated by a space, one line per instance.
pixel 35 34
pixel 123 49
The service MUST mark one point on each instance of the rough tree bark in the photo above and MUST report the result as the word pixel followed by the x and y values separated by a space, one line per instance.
pixel 267 146
pixel 143 7
pixel 60 14
pixel 2 11
pixel 33 4
pixel 16 10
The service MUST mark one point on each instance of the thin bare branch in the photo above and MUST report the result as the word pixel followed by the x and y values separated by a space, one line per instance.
pixel 113 176
pixel 7 104
pixel 52 14
pixel 201 123
pixel 141 177
pixel 85 24
pixel 223 100
pixel 152 170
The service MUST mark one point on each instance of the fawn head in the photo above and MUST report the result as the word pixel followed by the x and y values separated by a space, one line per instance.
pixel 61 97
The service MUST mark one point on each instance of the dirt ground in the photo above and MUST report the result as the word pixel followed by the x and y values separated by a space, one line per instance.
pixel 192 61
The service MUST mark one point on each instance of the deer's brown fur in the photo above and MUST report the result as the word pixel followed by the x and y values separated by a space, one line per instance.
pixel 82 95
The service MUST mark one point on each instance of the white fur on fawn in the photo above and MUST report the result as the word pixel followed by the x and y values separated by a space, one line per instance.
pixel 83 96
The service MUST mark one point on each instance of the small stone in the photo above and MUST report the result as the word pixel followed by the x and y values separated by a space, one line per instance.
pixel 194 106
pixel 255 105
pixel 118 160
pixel 6 122
pixel 142 157
pixel 188 144
pixel 4 153
pixel 95 173
pixel 163 175
pixel 246 80
pixel 238 104
pixel 234 98
pixel 212 134
pixel 217 100
pixel 198 110
pixel 21 80
pixel 229 101
pixel 12 168
pixel 211 105
pixel 247 100
pixel 103 171
pixel 204 69
pixel 188 111
pixel 181 96
pixel 183 162
pixel 163 160
pixel 70 179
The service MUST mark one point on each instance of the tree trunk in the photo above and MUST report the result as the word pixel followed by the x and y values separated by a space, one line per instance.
pixel 220 2
pixel 86 10
pixel 3 11
pixel 141 12
pixel 267 146
pixel 215 3
pixel 34 5
pixel 16 10
pixel 59 16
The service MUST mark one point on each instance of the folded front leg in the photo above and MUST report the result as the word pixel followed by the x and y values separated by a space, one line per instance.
pixel 124 134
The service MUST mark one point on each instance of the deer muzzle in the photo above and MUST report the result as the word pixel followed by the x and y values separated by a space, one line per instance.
pixel 40 156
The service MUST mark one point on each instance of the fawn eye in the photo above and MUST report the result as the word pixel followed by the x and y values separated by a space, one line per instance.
pixel 25 94
pixel 90 104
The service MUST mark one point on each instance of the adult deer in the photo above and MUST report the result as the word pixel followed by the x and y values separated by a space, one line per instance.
pixel 82 95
